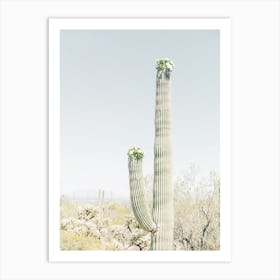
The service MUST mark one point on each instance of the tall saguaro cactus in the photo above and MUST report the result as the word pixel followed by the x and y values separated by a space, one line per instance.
pixel 161 222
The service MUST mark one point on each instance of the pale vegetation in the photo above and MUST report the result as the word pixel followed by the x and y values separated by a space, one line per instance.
pixel 110 225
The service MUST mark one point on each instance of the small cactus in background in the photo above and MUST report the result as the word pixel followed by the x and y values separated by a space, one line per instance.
pixel 100 198
pixel 161 222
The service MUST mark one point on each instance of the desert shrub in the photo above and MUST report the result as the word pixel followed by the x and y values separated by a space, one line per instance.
pixel 110 227
pixel 80 227
pixel 197 212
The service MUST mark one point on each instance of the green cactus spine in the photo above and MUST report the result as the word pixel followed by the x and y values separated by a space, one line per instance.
pixel 162 221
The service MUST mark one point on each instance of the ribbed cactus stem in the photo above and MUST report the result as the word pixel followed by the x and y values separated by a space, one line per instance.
pixel 163 191
pixel 138 195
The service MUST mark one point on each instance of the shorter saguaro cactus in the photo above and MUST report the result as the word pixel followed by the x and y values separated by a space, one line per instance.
pixel 137 190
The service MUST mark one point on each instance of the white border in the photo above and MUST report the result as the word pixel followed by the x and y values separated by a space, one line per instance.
pixel 222 24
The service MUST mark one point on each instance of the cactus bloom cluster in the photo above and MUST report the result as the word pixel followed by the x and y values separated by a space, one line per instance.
pixel 165 64
pixel 135 152
pixel 164 67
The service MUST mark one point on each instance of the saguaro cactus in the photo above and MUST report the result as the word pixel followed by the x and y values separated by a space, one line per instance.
pixel 100 198
pixel 161 222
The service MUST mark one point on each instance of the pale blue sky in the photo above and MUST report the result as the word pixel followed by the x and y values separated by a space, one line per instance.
pixel 108 100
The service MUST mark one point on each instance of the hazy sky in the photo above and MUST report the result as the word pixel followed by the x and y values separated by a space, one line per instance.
pixel 108 83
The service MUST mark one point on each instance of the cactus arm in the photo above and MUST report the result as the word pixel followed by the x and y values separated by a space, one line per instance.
pixel 138 195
